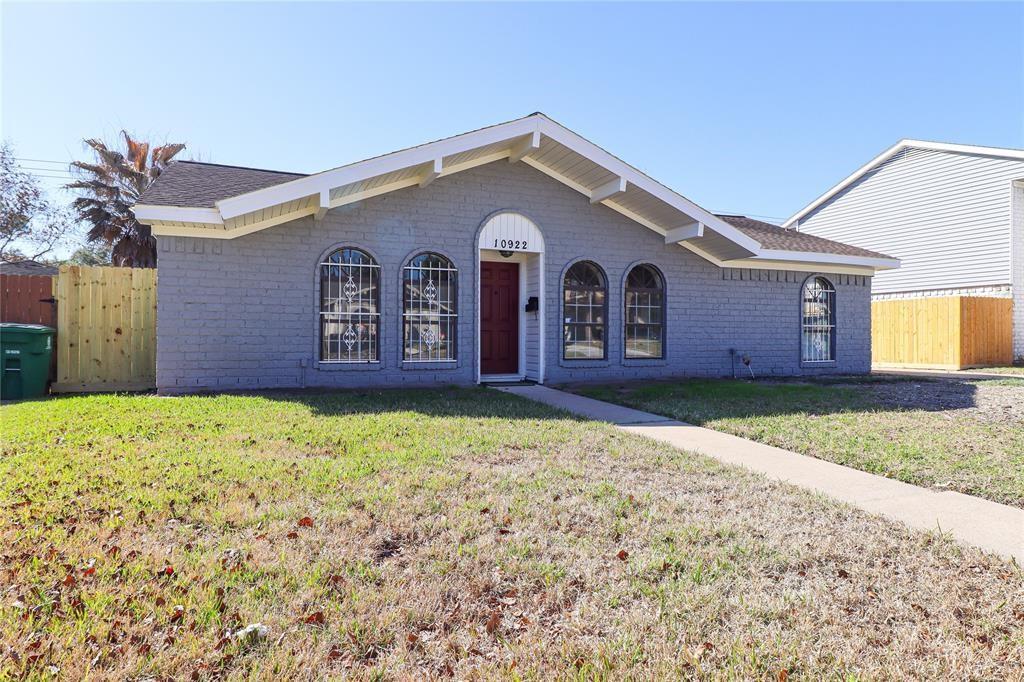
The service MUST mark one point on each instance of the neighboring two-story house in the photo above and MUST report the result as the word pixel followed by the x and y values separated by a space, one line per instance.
pixel 954 216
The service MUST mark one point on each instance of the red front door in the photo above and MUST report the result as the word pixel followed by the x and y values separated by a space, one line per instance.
pixel 499 318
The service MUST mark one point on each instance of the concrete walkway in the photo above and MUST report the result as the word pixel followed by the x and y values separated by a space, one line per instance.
pixel 991 526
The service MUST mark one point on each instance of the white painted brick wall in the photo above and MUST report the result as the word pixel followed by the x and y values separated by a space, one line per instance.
pixel 242 313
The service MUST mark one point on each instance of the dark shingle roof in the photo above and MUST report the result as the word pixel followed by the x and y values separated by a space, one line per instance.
pixel 197 184
pixel 194 183
pixel 26 267
pixel 783 239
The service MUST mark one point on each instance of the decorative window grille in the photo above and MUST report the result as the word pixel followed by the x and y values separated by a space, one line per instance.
pixel 430 309
pixel 585 310
pixel 349 307
pixel 819 321
pixel 645 313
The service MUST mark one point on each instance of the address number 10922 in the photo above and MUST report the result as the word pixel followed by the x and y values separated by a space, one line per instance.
pixel 514 244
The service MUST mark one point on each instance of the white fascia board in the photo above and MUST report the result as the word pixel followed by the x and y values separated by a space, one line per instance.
pixel 828 258
pixel 888 153
pixel 338 177
pixel 176 230
pixel 148 214
pixel 566 137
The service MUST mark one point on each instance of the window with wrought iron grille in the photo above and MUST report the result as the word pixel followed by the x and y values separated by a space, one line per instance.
pixel 818 342
pixel 585 312
pixel 645 313
pixel 430 309
pixel 349 307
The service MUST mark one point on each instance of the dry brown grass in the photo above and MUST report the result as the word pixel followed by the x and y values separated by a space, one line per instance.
pixel 460 533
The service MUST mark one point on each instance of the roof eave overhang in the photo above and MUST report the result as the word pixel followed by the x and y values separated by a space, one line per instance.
pixel 679 220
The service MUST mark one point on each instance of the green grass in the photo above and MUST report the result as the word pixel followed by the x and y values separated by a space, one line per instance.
pixel 1013 370
pixel 850 422
pixel 455 533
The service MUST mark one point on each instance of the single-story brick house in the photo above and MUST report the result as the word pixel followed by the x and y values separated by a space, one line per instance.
pixel 518 251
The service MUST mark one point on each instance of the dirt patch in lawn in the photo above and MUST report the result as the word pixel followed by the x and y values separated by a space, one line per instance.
pixel 996 400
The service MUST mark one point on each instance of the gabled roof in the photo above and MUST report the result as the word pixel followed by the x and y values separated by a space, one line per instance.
pixel 208 200
pixel 999 152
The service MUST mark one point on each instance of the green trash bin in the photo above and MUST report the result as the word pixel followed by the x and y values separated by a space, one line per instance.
pixel 25 351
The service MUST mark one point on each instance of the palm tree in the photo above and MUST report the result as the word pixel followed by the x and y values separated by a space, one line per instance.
pixel 111 186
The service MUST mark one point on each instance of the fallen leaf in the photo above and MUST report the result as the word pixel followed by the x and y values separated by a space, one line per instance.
pixel 412 638
pixel 292 535
pixel 69 580
pixel 335 653
pixel 305 522
pixel 315 618
pixel 167 570
pixel 178 614
pixel 783 675
pixel 493 622
pixel 622 555
pixel 843 574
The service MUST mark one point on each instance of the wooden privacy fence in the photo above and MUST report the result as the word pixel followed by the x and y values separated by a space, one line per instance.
pixel 943 332
pixel 106 329
pixel 27 299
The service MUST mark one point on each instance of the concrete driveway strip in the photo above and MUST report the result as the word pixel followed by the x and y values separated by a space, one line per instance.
pixel 991 526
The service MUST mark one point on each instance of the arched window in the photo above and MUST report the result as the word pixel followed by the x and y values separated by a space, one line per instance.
pixel 349 307
pixel 585 312
pixel 645 313
pixel 818 343
pixel 430 309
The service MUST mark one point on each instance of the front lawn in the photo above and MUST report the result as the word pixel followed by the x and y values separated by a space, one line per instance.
pixel 965 435
pixel 459 532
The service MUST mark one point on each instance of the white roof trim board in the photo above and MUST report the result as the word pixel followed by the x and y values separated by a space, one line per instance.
pixel 1002 152
pixel 534 140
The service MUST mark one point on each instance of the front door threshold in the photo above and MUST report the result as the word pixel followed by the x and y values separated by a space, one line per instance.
pixel 504 379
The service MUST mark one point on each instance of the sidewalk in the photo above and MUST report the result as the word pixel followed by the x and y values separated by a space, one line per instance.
pixel 990 526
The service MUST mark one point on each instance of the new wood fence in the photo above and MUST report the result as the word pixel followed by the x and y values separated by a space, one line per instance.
pixel 942 332
pixel 106 329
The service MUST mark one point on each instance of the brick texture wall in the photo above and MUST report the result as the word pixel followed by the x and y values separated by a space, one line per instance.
pixel 242 313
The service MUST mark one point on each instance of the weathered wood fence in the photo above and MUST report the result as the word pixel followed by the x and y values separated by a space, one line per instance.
pixel 27 299
pixel 942 332
pixel 106 329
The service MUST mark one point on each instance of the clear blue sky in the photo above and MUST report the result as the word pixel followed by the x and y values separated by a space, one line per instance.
pixel 753 108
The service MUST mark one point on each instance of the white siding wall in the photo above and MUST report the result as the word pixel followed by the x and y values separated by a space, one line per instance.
pixel 531 271
pixel 1018 270
pixel 945 215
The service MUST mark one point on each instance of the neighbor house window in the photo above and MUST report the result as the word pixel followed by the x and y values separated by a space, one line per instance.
pixel 585 311
pixel 645 313
pixel 430 305
pixel 819 321
pixel 349 307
